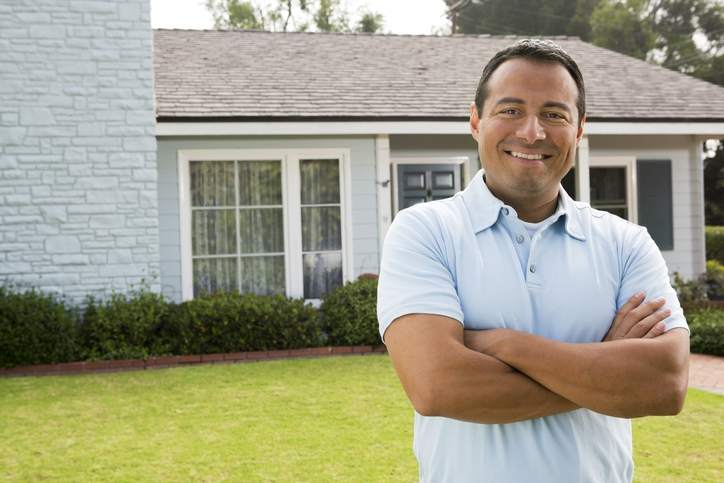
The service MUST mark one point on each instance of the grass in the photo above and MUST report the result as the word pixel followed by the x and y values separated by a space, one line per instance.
pixel 330 419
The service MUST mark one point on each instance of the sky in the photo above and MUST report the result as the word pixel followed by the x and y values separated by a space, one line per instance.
pixel 401 16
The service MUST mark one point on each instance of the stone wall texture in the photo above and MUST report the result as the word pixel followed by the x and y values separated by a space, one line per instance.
pixel 78 194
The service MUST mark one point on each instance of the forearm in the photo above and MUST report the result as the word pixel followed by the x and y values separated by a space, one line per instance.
pixel 476 387
pixel 625 378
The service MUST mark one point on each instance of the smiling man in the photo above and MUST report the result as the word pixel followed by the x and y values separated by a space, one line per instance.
pixel 525 327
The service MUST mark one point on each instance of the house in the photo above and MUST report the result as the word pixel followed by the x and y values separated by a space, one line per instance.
pixel 193 161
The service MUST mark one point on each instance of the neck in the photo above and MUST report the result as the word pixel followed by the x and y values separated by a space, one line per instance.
pixel 533 208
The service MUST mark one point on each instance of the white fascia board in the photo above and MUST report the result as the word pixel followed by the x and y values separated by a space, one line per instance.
pixel 344 128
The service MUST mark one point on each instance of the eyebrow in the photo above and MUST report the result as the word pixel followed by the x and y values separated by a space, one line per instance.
pixel 515 100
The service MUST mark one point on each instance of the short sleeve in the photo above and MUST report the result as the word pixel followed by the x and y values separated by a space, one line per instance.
pixel 415 274
pixel 645 270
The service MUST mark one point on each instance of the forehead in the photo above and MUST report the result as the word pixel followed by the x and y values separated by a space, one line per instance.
pixel 532 81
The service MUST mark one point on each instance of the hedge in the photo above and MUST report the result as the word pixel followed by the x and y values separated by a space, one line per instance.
pixel 707 330
pixel 36 328
pixel 40 328
pixel 715 243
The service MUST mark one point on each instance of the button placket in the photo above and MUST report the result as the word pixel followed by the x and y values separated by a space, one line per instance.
pixel 532 274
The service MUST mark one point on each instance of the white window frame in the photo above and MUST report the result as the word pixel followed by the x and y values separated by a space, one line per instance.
pixel 628 162
pixel 457 160
pixel 291 201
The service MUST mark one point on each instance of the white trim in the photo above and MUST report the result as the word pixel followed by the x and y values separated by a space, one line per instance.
pixel 184 196
pixel 629 163
pixel 583 161
pixel 320 128
pixel 291 201
pixel 697 156
pixel 383 188
pixel 459 160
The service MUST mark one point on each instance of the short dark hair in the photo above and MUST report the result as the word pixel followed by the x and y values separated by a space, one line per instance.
pixel 534 49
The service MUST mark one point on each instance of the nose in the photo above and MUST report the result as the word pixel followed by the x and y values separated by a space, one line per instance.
pixel 530 130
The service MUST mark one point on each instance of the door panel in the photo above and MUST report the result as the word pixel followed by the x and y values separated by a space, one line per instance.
pixel 420 183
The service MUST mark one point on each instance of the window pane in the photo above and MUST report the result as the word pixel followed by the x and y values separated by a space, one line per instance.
pixel 263 275
pixel 212 183
pixel 608 185
pixel 321 228
pixel 260 183
pixel 320 181
pixel 322 273
pixel 213 275
pixel 262 230
pixel 213 232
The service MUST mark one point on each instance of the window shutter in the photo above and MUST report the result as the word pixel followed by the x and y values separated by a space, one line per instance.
pixel 655 205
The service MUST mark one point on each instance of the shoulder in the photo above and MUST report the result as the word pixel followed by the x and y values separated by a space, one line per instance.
pixel 434 219
pixel 606 227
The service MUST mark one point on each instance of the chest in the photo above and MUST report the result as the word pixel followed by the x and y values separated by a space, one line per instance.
pixel 562 288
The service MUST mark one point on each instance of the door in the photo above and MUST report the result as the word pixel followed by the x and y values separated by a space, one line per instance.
pixel 419 183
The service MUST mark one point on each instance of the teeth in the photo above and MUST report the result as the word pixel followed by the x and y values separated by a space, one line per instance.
pixel 526 156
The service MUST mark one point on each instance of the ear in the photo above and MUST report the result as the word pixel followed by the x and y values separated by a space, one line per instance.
pixel 474 121
pixel 579 133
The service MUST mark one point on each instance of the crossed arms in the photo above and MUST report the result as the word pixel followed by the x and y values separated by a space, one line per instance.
pixel 502 376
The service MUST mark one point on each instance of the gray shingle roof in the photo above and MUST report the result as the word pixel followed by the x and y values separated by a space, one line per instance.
pixel 220 74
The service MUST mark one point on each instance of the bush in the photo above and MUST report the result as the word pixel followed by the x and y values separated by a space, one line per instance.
pixel 229 322
pixel 690 292
pixel 714 280
pixel 124 327
pixel 35 328
pixel 707 331
pixel 715 243
pixel 349 314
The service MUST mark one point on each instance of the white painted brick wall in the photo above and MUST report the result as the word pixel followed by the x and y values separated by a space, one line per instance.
pixel 78 195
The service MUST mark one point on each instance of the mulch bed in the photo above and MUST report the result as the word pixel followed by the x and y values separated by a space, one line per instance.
pixel 90 367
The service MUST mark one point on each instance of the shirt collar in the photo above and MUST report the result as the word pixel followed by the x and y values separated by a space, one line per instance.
pixel 484 208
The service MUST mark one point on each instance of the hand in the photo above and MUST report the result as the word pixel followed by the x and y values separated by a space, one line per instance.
pixel 636 320
pixel 484 341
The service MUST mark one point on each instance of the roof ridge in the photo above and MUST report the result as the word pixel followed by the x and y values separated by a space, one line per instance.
pixel 367 34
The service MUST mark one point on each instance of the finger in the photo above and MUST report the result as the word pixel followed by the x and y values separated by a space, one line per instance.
pixel 618 329
pixel 656 330
pixel 644 310
pixel 645 325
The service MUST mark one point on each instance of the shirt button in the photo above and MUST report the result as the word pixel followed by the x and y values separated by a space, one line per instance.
pixel 532 269
pixel 505 211
pixel 519 239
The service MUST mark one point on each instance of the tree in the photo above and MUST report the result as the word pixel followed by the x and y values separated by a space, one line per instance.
pixel 523 17
pixel 290 15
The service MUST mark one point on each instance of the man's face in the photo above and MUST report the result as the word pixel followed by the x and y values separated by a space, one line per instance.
pixel 528 130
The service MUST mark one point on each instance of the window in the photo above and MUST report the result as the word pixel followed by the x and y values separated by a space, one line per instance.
pixel 612 183
pixel 264 222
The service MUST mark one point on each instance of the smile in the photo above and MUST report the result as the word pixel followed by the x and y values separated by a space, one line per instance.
pixel 532 157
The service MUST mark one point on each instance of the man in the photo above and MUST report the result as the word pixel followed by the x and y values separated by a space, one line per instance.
pixel 526 327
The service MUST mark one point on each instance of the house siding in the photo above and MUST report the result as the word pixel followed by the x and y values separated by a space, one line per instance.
pixel 364 197
pixel 78 201
pixel 687 257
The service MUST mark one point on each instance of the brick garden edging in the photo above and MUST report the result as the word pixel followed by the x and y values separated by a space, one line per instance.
pixel 90 367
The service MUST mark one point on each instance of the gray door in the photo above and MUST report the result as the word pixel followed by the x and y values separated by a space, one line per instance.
pixel 419 183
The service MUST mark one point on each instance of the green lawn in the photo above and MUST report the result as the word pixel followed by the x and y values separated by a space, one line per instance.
pixel 330 419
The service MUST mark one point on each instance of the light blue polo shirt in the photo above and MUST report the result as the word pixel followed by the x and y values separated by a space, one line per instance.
pixel 470 258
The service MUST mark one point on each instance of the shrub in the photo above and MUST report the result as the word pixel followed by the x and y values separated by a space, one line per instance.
pixel 707 331
pixel 714 280
pixel 715 243
pixel 35 328
pixel 690 292
pixel 349 314
pixel 230 322
pixel 124 327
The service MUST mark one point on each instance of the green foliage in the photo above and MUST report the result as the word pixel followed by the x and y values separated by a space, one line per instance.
pixel 714 187
pixel 228 322
pixel 714 280
pixel 715 243
pixel 123 327
pixel 35 328
pixel 690 292
pixel 618 26
pixel 707 331
pixel 349 313
pixel 289 15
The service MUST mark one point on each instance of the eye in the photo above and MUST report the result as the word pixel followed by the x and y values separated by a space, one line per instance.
pixel 510 111
pixel 554 116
